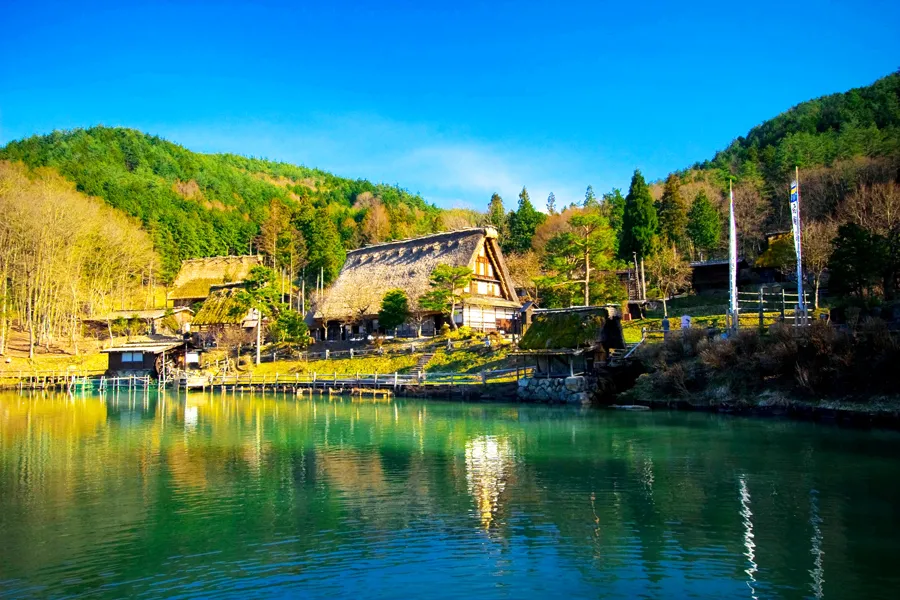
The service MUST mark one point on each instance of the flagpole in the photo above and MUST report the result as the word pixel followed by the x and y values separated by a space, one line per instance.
pixel 796 224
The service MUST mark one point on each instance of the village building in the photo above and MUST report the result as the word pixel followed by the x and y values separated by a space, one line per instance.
pixel 562 351
pixel 351 305
pixel 198 276
pixel 222 314
pixel 142 358
pixel 155 321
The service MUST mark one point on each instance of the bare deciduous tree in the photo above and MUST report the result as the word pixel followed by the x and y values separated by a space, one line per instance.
pixel 818 237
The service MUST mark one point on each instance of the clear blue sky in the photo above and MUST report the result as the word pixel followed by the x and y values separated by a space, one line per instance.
pixel 453 100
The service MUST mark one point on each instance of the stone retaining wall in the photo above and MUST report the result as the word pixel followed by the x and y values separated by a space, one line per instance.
pixel 568 390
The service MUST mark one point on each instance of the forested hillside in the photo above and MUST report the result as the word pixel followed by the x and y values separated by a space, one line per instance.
pixel 841 143
pixel 208 204
pixel 847 147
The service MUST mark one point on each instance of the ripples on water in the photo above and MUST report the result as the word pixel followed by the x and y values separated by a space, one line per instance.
pixel 238 496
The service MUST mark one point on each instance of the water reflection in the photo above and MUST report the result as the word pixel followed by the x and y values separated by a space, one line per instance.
pixel 749 544
pixel 489 461
pixel 246 495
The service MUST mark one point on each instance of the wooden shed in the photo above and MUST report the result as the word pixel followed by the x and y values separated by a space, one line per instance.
pixel 144 358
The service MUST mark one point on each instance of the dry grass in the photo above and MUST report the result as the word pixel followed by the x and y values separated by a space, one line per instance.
pixel 817 361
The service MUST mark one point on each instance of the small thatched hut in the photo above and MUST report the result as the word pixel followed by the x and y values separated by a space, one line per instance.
pixel 157 321
pixel 569 341
pixel 198 275
pixel 221 313
pixel 352 304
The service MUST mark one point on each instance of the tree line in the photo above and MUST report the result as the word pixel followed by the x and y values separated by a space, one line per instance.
pixel 64 256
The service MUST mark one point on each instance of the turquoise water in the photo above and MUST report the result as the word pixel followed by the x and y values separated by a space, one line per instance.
pixel 281 497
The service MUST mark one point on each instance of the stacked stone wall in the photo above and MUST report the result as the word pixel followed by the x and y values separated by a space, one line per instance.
pixel 558 390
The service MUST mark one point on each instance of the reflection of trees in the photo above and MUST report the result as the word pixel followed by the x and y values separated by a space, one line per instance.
pixel 220 472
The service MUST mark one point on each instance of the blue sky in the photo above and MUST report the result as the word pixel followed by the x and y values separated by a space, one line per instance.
pixel 453 100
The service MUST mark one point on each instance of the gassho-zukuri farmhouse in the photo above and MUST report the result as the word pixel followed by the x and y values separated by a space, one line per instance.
pixel 351 305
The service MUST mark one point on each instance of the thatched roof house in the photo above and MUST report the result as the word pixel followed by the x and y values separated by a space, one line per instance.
pixel 198 275
pixel 221 309
pixel 168 321
pixel 561 342
pixel 368 273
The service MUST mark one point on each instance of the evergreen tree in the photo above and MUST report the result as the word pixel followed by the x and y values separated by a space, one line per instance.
pixel 522 224
pixel 672 210
pixel 614 208
pixel 704 227
pixel 576 255
pixel 857 262
pixel 551 204
pixel 394 309
pixel 326 252
pixel 640 225
pixel 496 215
pixel 448 286
pixel 258 294
pixel 589 198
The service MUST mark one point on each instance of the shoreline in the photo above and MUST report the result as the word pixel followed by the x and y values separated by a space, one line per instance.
pixel 878 413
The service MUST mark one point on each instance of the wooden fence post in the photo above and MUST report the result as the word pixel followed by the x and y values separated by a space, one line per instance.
pixel 782 303
pixel 761 302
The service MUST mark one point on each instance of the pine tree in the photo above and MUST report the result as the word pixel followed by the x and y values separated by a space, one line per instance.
pixel 551 204
pixel 496 215
pixel 704 225
pixel 640 225
pixel 589 198
pixel 614 209
pixel 394 309
pixel 522 224
pixel 672 210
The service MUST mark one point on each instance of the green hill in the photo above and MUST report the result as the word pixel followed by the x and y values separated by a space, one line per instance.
pixel 841 143
pixel 863 123
pixel 207 204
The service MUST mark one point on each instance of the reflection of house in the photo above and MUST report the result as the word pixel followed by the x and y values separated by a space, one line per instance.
pixel 198 275
pixel 146 358
pixel 569 341
pixel 355 298
pixel 157 321
pixel 222 313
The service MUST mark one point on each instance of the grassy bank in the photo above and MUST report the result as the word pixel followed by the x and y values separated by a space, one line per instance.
pixel 59 362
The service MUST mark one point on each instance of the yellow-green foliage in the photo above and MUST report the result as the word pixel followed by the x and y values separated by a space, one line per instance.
pixel 473 359
pixel 572 329
pixel 400 363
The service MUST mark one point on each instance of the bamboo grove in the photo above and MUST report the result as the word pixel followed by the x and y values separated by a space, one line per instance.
pixel 64 256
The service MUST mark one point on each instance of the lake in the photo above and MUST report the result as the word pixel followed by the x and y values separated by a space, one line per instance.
pixel 274 496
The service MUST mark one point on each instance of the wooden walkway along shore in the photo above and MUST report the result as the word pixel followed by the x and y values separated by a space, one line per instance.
pixel 407 384
pixel 371 384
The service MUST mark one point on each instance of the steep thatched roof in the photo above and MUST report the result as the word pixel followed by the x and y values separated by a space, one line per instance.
pixel 148 314
pixel 564 328
pixel 222 308
pixel 197 275
pixel 370 272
